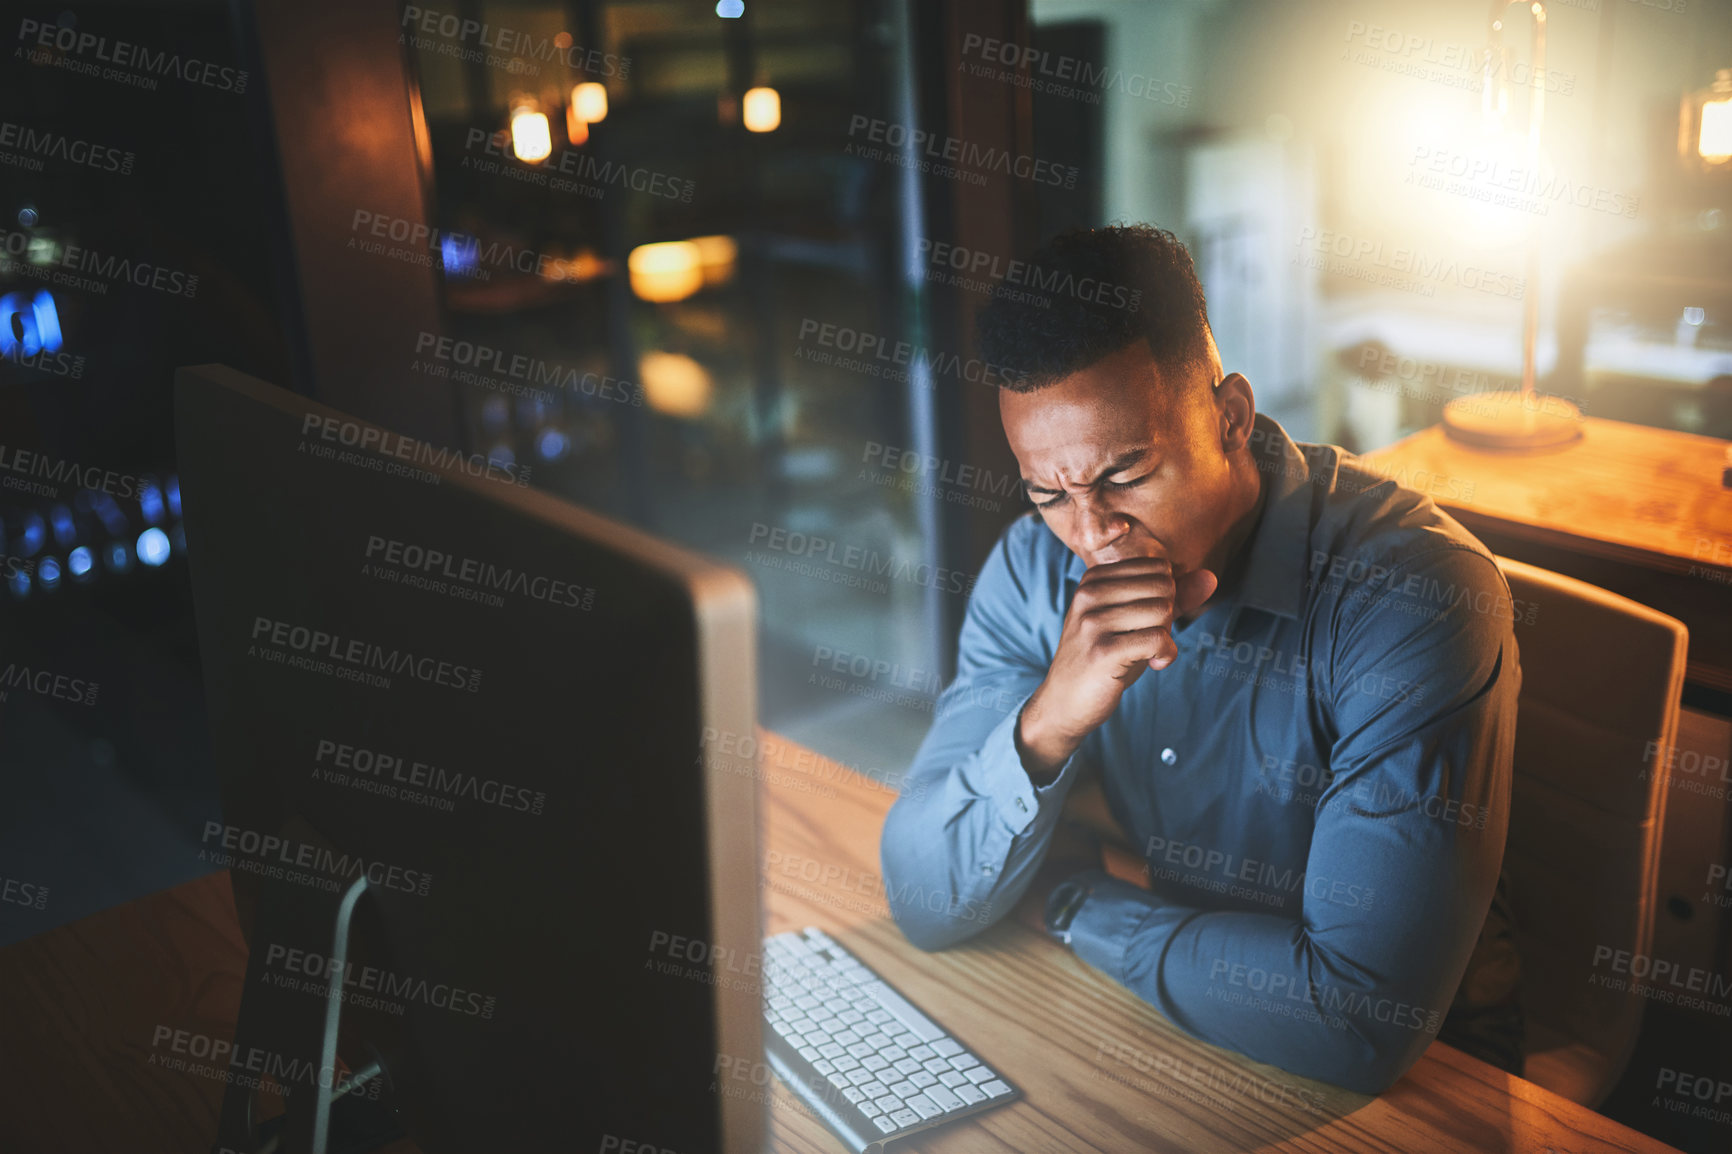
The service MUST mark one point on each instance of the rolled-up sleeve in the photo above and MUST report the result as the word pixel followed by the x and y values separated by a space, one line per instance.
pixel 969 829
pixel 1404 859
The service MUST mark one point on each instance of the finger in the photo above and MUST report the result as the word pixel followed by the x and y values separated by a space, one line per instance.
pixel 1138 650
pixel 1129 616
pixel 1114 590
pixel 1127 567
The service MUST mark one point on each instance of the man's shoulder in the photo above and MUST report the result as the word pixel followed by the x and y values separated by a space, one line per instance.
pixel 1034 559
pixel 1368 518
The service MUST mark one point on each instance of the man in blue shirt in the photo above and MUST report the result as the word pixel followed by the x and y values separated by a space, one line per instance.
pixel 1296 681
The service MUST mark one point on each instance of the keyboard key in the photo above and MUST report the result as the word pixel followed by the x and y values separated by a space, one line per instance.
pixel 970 1093
pixel 783 1028
pixel 906 1065
pixel 906 1040
pixel 905 1013
pixel 952 1078
pixel 810 1053
pixel 869 1109
pixel 874 1062
pixel 860 1051
pixel 979 1074
pixel 823 1067
pixel 861 1077
pixel 874 1089
pixel 947 1047
pixel 840 1081
pixel 905 1118
pixel 904 1090
pixel 920 1053
pixel 832 1050
pixel 845 1063
pixel 851 1017
pixel 922 1079
pixel 924 1106
pixel 884 1123
pixel 995 1089
pixel 892 1053
pixel 964 1061
pixel 857 1096
pixel 845 1037
pixel 945 1099
pixel 939 1066
pixel 890 1103
pixel 876 1016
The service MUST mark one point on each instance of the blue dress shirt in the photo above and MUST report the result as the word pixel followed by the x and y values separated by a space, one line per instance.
pixel 1319 784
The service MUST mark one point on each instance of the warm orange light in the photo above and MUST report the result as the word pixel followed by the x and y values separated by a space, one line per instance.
pixel 1714 144
pixel 716 255
pixel 762 110
pixel 589 102
pixel 671 271
pixel 576 128
pixel 675 384
pixel 530 138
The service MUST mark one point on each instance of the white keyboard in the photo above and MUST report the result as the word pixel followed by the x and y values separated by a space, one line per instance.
pixel 857 1053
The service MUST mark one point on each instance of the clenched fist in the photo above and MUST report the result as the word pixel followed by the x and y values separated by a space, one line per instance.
pixel 1118 627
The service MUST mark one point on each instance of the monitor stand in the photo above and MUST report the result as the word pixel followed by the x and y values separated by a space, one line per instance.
pixel 328 1112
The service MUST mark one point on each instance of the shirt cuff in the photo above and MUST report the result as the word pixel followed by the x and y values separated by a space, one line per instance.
pixel 1018 800
pixel 1103 927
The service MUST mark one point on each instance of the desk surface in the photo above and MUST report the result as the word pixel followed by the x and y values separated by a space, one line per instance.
pixel 1101 1070
pixel 1630 493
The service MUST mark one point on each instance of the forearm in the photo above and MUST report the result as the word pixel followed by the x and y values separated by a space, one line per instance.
pixel 1261 985
pixel 963 841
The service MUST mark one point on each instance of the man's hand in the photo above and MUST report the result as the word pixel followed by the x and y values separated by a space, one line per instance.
pixel 1118 626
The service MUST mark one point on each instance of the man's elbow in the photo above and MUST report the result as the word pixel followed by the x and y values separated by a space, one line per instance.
pixel 1366 1061
pixel 932 928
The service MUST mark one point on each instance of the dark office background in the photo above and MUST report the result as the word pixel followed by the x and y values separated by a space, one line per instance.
pixel 1258 134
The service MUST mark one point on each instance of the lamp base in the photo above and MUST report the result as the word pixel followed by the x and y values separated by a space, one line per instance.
pixel 1512 420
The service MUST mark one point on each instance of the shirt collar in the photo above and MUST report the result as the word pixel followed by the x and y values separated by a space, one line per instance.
pixel 1275 559
pixel 1277 555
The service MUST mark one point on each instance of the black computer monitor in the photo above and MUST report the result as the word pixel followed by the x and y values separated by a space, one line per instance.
pixel 492 706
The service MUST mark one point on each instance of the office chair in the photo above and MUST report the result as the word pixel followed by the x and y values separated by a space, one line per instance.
pixel 1601 678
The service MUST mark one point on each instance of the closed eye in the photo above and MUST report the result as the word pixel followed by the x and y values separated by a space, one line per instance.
pixel 1116 485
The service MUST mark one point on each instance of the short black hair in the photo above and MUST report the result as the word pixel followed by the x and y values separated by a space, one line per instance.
pixel 1088 294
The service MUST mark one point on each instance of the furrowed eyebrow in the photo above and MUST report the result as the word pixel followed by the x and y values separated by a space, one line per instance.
pixel 1123 462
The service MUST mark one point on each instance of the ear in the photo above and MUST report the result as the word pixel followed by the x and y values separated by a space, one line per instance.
pixel 1238 408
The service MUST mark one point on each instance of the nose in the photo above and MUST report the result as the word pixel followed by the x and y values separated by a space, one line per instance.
pixel 1097 525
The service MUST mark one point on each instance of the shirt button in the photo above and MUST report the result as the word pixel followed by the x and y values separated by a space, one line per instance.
pixel 1168 756
pixel 1022 805
pixel 986 870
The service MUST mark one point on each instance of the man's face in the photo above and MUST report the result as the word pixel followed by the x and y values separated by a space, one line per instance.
pixel 1123 460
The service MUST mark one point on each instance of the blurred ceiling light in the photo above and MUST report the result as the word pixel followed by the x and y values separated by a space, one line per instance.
pixel 576 127
pixel 1705 122
pixel 675 384
pixel 730 9
pixel 716 255
pixel 589 102
pixel 762 109
pixel 670 271
pixel 530 138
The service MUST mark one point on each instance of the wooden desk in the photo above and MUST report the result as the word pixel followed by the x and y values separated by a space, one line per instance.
pixel 1102 1071
pixel 1636 510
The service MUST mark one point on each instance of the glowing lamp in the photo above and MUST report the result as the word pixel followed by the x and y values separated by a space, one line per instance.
pixel 531 140
pixel 589 102
pixel 761 109
pixel 675 384
pixel 1705 123
pixel 670 271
